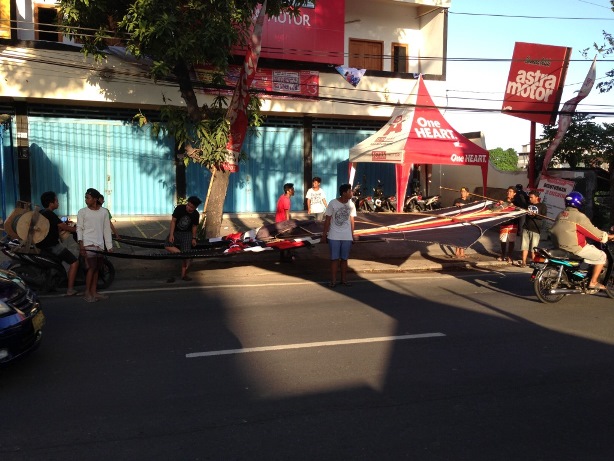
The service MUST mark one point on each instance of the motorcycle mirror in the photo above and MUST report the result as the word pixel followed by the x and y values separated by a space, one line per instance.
pixel 64 218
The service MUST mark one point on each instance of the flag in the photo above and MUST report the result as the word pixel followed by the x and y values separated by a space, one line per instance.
pixel 237 110
pixel 566 113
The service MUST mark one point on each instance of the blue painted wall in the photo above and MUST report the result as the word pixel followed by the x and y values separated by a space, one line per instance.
pixel 135 172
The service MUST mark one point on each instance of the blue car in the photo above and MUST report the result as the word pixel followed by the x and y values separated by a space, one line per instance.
pixel 21 318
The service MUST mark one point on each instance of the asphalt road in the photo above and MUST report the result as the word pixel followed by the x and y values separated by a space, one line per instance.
pixel 246 365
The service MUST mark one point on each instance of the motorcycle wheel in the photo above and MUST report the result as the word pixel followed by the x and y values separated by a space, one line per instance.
pixel 544 282
pixel 609 286
pixel 106 275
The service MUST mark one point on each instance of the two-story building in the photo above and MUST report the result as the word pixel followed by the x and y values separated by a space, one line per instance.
pixel 70 117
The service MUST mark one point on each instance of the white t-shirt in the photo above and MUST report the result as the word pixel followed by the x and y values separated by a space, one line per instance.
pixel 94 228
pixel 340 225
pixel 317 197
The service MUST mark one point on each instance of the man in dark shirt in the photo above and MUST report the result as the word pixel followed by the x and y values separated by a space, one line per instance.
pixel 52 242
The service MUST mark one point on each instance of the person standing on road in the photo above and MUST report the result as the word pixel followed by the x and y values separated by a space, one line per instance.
pixel 461 202
pixel 508 230
pixel 52 242
pixel 339 231
pixel 283 214
pixel 93 236
pixel 316 199
pixel 531 231
pixel 182 235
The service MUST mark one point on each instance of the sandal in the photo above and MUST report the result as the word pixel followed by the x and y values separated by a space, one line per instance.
pixel 72 293
pixel 186 278
pixel 332 284
pixel 347 284
pixel 170 280
pixel 597 286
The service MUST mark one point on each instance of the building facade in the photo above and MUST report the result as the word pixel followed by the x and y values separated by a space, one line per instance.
pixel 70 117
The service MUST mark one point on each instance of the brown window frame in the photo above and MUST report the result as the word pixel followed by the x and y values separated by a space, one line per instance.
pixel 47 6
pixel 392 57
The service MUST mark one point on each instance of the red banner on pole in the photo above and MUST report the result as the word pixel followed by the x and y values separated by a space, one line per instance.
pixel 237 110
pixel 535 82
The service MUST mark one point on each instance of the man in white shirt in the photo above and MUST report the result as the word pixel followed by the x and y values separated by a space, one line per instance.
pixel 339 231
pixel 93 235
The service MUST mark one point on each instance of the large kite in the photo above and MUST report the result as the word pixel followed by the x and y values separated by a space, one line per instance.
pixel 460 227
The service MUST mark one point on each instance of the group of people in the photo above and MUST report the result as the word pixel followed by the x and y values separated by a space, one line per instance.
pixel 529 226
pixel 94 231
pixel 94 235
pixel 338 216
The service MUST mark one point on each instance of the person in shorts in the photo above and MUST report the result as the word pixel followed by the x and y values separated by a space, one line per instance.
pixel 52 242
pixel 531 232
pixel 182 235
pixel 508 230
pixel 339 232
pixel 94 236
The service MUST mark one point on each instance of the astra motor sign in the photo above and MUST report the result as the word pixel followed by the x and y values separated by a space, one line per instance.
pixel 535 82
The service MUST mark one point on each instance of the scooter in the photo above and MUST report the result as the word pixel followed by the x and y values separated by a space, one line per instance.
pixel 414 203
pixel 362 204
pixel 381 201
pixel 432 202
pixel 45 272
pixel 558 273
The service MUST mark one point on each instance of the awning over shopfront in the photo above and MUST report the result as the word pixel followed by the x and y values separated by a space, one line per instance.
pixel 417 133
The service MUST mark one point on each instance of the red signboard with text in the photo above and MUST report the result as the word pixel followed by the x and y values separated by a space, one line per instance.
pixel 535 82
pixel 315 35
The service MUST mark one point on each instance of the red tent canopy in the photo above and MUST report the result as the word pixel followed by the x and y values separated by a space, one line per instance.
pixel 418 133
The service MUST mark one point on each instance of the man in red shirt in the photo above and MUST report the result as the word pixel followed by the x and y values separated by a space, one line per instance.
pixel 284 204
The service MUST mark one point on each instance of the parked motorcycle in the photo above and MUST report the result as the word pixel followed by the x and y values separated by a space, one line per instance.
pixel 558 273
pixel 45 272
pixel 363 204
pixel 416 202
pixel 413 203
pixel 381 201
pixel 432 202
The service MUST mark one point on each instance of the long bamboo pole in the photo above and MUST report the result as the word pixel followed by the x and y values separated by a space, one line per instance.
pixel 497 200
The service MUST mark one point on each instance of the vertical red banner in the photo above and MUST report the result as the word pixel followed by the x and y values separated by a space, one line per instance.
pixel 237 110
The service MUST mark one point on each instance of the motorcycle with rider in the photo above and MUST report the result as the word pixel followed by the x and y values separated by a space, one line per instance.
pixel 558 272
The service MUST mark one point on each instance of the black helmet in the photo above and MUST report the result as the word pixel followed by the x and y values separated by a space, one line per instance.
pixel 575 199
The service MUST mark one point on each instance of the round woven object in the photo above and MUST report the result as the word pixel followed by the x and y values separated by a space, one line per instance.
pixel 23 224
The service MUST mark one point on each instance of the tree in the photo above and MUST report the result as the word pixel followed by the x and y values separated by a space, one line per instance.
pixel 581 143
pixel 504 160
pixel 174 35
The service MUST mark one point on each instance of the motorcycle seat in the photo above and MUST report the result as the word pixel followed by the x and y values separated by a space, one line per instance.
pixel 559 253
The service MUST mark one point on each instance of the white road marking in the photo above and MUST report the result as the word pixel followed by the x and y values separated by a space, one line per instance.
pixel 316 344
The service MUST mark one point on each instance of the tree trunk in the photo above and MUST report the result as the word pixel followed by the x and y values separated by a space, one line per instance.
pixel 214 204
pixel 611 168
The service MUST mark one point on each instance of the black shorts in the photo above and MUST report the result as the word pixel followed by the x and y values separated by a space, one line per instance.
pixel 63 253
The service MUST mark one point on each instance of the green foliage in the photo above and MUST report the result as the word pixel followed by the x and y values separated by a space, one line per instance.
pixel 173 35
pixel 582 143
pixel 504 160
